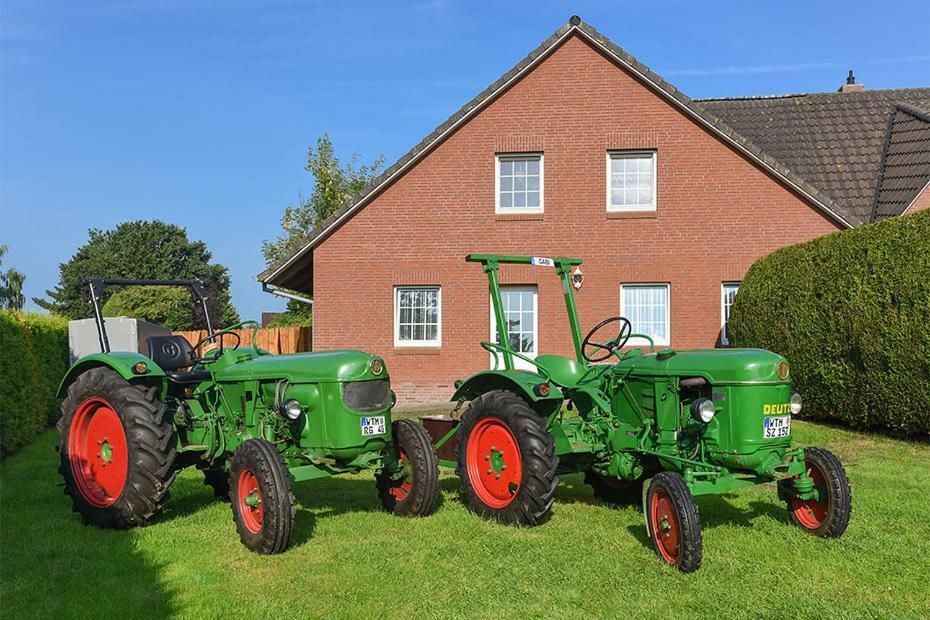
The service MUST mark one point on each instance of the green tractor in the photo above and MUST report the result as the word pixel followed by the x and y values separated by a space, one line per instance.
pixel 659 428
pixel 253 422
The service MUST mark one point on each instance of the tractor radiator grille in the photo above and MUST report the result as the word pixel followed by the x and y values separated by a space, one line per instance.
pixel 367 395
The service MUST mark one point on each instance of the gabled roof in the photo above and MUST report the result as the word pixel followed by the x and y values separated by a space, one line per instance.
pixel 833 140
pixel 291 270
pixel 905 169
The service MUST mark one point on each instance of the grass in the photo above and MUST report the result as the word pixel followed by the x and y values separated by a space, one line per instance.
pixel 350 559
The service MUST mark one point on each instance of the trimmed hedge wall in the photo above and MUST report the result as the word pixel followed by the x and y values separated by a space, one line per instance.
pixel 33 360
pixel 851 312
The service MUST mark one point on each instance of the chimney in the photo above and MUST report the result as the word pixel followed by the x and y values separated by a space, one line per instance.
pixel 850 86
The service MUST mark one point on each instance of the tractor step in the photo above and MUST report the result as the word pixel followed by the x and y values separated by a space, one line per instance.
pixel 438 426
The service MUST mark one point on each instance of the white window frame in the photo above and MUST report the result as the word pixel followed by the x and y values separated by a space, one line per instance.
pixel 498 158
pixel 618 154
pixel 724 340
pixel 636 342
pixel 517 362
pixel 417 343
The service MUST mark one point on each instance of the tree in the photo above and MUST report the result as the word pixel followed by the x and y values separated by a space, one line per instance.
pixel 163 305
pixel 335 184
pixel 11 286
pixel 140 249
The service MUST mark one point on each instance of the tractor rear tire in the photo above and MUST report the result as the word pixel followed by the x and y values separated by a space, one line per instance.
pixel 417 493
pixel 673 522
pixel 116 450
pixel 218 480
pixel 830 518
pixel 506 460
pixel 262 497
pixel 614 491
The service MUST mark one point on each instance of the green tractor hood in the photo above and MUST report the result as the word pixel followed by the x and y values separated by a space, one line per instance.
pixel 715 365
pixel 322 367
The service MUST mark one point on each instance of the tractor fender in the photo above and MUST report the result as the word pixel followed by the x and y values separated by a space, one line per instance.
pixel 520 382
pixel 121 362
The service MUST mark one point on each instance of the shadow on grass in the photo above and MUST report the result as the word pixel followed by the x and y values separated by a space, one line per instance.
pixel 53 565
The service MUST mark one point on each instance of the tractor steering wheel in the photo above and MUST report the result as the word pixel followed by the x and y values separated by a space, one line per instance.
pixel 611 346
pixel 227 331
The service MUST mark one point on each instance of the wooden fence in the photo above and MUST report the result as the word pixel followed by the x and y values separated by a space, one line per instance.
pixel 277 340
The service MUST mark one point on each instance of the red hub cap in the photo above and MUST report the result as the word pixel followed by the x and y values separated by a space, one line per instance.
pixel 401 488
pixel 665 529
pixel 495 467
pixel 812 513
pixel 250 501
pixel 97 452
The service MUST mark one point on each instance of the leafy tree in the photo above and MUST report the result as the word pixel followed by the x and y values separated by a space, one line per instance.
pixel 140 249
pixel 335 184
pixel 11 286
pixel 169 306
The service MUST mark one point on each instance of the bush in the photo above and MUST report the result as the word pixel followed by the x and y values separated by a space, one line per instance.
pixel 851 312
pixel 171 306
pixel 33 360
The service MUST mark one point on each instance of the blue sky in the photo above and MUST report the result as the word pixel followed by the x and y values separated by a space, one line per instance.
pixel 199 113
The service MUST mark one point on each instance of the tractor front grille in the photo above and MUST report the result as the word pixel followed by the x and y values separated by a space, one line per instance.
pixel 367 396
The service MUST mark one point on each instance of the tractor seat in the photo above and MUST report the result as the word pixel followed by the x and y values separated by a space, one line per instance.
pixel 564 371
pixel 172 354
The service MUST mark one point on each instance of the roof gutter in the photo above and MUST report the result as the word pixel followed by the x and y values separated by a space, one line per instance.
pixel 274 290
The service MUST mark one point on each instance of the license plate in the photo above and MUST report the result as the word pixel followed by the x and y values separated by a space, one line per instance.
pixel 373 425
pixel 774 427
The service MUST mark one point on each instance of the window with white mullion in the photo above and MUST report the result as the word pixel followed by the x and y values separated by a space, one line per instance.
pixel 520 315
pixel 519 183
pixel 631 181
pixel 647 308
pixel 728 292
pixel 417 313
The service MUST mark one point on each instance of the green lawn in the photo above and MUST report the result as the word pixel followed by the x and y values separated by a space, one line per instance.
pixel 350 559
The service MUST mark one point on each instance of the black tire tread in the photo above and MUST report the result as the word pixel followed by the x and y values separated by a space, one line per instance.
pixel 278 503
pixel 533 502
pixel 690 548
pixel 840 494
pixel 149 434
pixel 424 491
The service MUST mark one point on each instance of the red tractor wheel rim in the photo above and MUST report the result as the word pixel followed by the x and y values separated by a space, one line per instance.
pixel 665 528
pixel 811 513
pixel 250 501
pixel 401 488
pixel 97 452
pixel 495 466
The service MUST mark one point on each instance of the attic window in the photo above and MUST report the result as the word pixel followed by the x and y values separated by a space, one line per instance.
pixel 519 183
pixel 631 181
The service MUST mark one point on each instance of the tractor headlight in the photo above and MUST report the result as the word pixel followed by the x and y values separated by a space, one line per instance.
pixel 291 409
pixel 703 410
pixel 796 403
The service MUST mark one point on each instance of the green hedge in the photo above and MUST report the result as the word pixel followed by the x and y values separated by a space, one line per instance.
pixel 851 312
pixel 33 359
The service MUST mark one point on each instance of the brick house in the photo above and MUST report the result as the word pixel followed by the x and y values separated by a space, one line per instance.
pixel 580 150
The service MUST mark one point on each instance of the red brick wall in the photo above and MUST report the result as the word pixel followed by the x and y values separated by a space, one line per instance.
pixel 717 213
pixel 921 202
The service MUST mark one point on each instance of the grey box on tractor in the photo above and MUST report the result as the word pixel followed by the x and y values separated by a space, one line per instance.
pixel 125 334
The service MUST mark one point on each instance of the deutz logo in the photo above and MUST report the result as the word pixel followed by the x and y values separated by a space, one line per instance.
pixel 776 409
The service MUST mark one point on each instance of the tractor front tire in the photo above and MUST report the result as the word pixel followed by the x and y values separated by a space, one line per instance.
pixel 262 497
pixel 506 460
pixel 673 522
pixel 614 491
pixel 827 517
pixel 116 450
pixel 417 492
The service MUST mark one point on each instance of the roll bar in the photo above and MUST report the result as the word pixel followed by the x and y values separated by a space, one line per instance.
pixel 96 286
